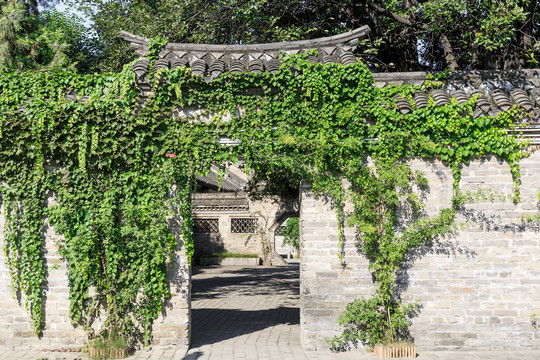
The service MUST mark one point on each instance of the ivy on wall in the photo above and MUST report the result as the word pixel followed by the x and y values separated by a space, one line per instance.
pixel 119 172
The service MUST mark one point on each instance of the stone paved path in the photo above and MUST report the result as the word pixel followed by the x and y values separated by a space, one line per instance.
pixel 252 313
pixel 264 353
pixel 242 313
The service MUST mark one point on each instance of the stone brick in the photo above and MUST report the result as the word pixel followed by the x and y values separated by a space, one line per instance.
pixel 478 289
pixel 16 329
pixel 476 293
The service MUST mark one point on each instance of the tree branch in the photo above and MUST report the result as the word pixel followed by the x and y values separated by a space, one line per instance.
pixel 527 26
pixel 401 19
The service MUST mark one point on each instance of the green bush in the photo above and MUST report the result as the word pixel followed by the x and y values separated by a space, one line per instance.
pixel 291 233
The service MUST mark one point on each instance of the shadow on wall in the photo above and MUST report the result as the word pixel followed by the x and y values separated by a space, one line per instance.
pixel 448 245
pixel 207 244
pixel 493 222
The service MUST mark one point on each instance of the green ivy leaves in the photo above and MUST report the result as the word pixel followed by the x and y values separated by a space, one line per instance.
pixel 121 170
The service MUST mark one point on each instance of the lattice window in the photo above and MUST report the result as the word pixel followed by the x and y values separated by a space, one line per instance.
pixel 205 226
pixel 244 225
pixel 279 231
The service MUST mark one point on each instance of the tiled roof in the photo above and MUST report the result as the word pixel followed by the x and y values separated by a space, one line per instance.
pixel 330 45
pixel 220 202
pixel 496 90
pixel 212 60
pixel 227 182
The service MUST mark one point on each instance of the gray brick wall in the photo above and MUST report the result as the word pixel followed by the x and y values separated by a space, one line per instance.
pixel 478 288
pixel 16 328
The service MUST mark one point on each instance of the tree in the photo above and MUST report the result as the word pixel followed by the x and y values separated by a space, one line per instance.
pixel 291 233
pixel 407 35
pixel 34 39
pixel 454 34
pixel 213 22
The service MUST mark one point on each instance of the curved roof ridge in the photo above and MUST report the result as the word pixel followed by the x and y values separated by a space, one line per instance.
pixel 347 38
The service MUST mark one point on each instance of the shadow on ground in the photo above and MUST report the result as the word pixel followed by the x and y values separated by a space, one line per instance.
pixel 211 326
pixel 244 281
pixel 229 302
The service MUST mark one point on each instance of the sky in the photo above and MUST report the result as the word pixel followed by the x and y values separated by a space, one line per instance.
pixel 61 6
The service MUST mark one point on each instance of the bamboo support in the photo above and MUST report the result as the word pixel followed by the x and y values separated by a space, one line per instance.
pixel 108 353
pixel 395 351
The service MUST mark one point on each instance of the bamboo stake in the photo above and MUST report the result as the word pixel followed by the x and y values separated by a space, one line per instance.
pixel 395 351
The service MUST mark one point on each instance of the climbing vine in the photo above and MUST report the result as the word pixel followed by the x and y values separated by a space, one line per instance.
pixel 120 172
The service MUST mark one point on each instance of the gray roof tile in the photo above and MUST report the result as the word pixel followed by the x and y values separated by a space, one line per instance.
pixel 496 90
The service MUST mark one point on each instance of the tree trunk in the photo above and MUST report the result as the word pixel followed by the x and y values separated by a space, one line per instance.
pixel 451 62
pixel 525 35
pixel 527 27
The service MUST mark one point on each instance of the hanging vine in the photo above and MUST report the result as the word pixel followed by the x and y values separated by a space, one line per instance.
pixel 120 170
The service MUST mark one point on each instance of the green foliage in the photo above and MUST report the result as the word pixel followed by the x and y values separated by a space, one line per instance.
pixel 364 321
pixel 41 40
pixel 455 34
pixel 479 20
pixel 379 193
pixel 116 241
pixel 109 340
pixel 291 233
pixel 112 181
pixel 122 173
pixel 406 35
pixel 211 22
pixel 67 42
pixel 23 239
